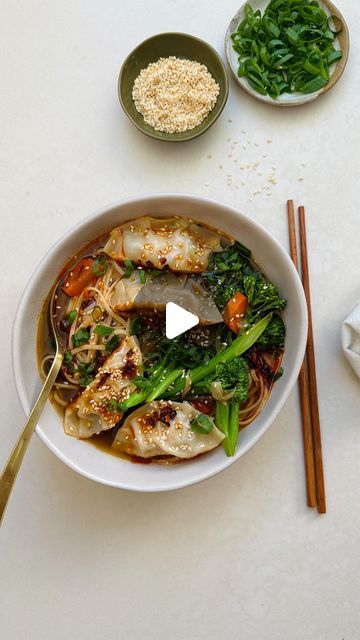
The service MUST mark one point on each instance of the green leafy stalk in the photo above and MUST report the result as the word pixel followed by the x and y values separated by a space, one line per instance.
pixel 222 413
pixel 230 442
pixel 164 383
pixel 237 348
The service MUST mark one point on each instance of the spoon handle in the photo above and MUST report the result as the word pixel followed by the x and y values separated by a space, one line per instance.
pixel 10 471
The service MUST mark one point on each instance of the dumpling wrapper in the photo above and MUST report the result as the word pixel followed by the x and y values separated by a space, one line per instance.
pixel 140 437
pixel 177 243
pixel 86 415
pixel 131 295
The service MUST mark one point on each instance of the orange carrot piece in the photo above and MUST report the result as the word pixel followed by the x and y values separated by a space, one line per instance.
pixel 234 311
pixel 79 277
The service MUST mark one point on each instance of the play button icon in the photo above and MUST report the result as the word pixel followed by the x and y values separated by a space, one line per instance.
pixel 178 320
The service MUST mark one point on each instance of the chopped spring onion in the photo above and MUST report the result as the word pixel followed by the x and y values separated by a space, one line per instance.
pixel 96 313
pixel 112 343
pixel 80 337
pixel 201 424
pixel 288 48
pixel 72 316
pixel 142 276
pixel 68 357
pixel 129 268
pixel 103 330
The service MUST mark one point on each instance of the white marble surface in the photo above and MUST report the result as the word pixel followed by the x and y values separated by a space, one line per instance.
pixel 239 556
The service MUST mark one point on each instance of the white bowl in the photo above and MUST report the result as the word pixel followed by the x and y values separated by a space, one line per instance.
pixel 94 463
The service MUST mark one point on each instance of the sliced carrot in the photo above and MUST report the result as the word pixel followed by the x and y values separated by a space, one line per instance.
pixel 234 311
pixel 79 277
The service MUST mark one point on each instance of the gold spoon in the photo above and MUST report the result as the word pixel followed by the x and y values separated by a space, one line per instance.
pixel 11 469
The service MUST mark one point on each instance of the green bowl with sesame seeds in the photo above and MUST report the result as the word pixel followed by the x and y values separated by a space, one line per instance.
pixel 181 46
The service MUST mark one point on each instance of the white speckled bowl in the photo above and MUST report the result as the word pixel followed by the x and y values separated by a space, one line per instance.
pixel 288 99
pixel 94 463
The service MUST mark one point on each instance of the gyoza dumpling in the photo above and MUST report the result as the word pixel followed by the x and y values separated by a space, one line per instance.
pixel 90 412
pixel 177 243
pixel 131 294
pixel 162 428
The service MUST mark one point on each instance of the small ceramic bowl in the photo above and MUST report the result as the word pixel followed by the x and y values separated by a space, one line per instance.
pixel 164 45
pixel 289 99
pixel 90 461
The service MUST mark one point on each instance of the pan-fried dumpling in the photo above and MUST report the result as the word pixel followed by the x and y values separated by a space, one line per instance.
pixel 131 295
pixel 90 412
pixel 162 428
pixel 177 243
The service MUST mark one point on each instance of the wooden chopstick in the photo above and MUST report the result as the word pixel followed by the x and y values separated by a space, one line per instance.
pixel 311 371
pixel 303 386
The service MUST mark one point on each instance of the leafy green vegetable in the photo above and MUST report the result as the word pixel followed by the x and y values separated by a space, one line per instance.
pixel 241 344
pixel 72 316
pixel 290 47
pixel 262 296
pixel 231 377
pixel 201 424
pixel 164 383
pixel 230 442
pixel 274 335
pixel 234 376
pixel 103 330
pixel 225 273
pixel 222 413
pixel 80 337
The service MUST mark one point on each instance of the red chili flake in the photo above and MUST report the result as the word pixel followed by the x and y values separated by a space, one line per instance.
pixel 129 368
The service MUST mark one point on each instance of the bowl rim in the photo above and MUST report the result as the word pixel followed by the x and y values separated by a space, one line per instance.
pixel 302 99
pixel 291 379
pixel 190 136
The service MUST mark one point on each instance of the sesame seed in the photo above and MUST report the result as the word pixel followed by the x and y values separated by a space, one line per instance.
pixel 161 94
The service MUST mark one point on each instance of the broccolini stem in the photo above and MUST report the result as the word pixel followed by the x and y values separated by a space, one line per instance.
pixel 222 412
pixel 237 348
pixel 136 398
pixel 164 384
pixel 230 442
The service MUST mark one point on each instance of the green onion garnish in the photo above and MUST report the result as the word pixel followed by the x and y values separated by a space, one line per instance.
pixel 201 424
pixel 99 266
pixel 68 357
pixel 96 314
pixel 288 48
pixel 80 337
pixel 112 343
pixel 72 316
pixel 103 330
pixel 142 276
pixel 129 268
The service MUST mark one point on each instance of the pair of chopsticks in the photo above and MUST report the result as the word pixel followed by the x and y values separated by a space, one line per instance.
pixel 309 405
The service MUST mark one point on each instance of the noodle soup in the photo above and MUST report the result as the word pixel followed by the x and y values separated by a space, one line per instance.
pixel 124 385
